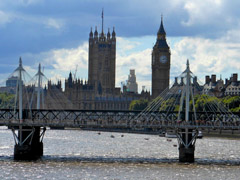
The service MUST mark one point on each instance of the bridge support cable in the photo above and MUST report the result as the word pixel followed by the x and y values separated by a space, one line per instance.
pixel 159 105
pixel 187 136
pixel 221 116
pixel 28 138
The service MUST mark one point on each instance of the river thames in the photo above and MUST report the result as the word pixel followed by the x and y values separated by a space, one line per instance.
pixel 74 154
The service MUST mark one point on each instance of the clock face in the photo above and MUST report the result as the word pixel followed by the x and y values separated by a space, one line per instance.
pixel 163 59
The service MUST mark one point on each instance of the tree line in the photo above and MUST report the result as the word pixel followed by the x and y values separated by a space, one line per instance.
pixel 6 100
pixel 201 102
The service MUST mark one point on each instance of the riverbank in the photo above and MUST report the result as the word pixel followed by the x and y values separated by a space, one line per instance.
pixel 223 134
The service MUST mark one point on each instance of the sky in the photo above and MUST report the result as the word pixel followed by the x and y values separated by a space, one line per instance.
pixel 55 33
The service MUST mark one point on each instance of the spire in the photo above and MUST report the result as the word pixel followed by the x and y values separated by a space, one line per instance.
pixel 70 76
pixel 102 20
pixel 108 34
pixel 20 62
pixel 113 33
pixel 96 33
pixel 91 33
pixel 161 29
pixel 188 64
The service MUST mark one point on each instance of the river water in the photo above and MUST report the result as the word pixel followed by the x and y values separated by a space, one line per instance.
pixel 74 154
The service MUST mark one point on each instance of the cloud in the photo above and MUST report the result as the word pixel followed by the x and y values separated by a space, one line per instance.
pixel 5 18
pixel 140 61
pixel 54 23
pixel 28 2
pixel 61 60
pixel 58 63
pixel 125 45
pixel 201 11
pixel 209 32
pixel 207 56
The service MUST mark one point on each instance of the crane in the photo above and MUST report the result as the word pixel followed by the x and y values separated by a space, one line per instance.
pixel 75 73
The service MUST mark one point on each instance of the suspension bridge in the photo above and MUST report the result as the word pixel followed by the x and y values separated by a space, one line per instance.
pixel 173 110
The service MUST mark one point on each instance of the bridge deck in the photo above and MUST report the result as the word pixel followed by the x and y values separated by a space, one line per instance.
pixel 152 122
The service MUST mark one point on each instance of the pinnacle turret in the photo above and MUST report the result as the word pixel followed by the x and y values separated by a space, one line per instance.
pixel 161 34
pixel 102 34
pixel 95 33
pixel 108 34
pixel 161 29
pixel 91 34
pixel 113 33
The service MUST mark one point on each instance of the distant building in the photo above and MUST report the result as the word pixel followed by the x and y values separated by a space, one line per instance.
pixel 12 82
pixel 99 91
pixel 161 61
pixel 178 86
pixel 11 85
pixel 213 87
pixel 219 88
pixel 132 85
pixel 232 86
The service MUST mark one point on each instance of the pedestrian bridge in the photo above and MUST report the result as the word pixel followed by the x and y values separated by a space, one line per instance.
pixel 173 110
pixel 151 122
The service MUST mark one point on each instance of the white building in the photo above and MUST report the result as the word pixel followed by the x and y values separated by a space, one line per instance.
pixel 232 86
pixel 132 85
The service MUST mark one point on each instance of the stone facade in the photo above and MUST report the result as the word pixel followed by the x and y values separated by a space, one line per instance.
pixel 232 86
pixel 99 92
pixel 102 61
pixel 219 88
pixel 161 60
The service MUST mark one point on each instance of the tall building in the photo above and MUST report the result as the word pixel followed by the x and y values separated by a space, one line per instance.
pixel 102 60
pixel 132 85
pixel 12 82
pixel 161 57
pixel 99 91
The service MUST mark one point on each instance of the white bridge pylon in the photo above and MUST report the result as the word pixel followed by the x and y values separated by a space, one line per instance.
pixel 176 111
pixel 187 137
pixel 28 139
pixel 174 99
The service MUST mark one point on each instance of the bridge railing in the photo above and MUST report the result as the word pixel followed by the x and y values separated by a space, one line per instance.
pixel 120 119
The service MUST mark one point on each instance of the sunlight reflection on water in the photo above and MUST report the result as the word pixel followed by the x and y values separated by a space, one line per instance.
pixel 73 154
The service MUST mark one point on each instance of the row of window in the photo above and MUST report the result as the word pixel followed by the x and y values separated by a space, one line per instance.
pixel 111 106
pixel 233 89
pixel 232 93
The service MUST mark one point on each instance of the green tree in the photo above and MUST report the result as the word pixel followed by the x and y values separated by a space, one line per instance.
pixel 6 100
pixel 232 102
pixel 140 104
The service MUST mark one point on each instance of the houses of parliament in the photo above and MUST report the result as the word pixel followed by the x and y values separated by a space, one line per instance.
pixel 99 92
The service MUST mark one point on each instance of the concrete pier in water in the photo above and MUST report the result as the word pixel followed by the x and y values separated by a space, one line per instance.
pixel 31 147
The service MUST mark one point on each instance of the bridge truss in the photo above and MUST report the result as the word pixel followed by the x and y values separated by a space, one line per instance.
pixel 130 120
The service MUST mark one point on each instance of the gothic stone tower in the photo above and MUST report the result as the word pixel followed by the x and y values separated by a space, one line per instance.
pixel 102 60
pixel 160 63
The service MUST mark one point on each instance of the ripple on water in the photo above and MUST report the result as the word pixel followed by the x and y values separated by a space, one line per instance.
pixel 88 155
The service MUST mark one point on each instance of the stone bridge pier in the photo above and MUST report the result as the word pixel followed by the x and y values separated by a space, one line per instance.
pixel 186 142
pixel 28 142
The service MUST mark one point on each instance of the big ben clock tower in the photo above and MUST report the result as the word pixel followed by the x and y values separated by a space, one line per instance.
pixel 160 63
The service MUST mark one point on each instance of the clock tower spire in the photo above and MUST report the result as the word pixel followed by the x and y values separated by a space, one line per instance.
pixel 160 63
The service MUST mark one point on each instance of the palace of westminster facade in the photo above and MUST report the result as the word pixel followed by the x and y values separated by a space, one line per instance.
pixel 99 92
